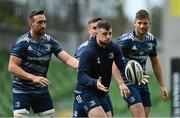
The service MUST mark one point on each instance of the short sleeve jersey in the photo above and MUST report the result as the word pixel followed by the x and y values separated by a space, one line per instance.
pixel 35 58
pixel 136 49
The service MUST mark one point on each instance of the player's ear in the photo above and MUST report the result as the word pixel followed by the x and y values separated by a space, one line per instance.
pixel 134 22
pixel 150 22
pixel 30 23
pixel 89 28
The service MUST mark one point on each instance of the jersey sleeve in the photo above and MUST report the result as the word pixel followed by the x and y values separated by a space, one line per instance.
pixel 79 52
pixel 123 42
pixel 56 47
pixel 19 48
pixel 154 50
pixel 85 64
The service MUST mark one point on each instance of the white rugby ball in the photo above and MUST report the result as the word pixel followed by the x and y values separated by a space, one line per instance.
pixel 133 72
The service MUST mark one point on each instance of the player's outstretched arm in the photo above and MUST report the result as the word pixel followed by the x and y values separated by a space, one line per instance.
pixel 15 69
pixel 68 59
pixel 117 76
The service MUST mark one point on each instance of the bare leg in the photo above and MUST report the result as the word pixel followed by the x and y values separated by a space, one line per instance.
pixel 97 112
pixel 48 113
pixel 109 114
pixel 147 111
pixel 137 110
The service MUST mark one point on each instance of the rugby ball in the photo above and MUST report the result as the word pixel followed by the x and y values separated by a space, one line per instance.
pixel 133 72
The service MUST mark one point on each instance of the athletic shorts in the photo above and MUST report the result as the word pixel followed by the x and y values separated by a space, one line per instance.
pixel 139 94
pixel 38 102
pixel 84 102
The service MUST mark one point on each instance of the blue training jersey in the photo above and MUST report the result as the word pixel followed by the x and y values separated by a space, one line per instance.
pixel 81 49
pixel 136 49
pixel 35 60
pixel 95 62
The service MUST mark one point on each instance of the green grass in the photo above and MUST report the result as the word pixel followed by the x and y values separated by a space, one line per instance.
pixel 5 86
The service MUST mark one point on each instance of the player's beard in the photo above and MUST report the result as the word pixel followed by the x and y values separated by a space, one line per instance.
pixel 143 31
pixel 40 32
pixel 105 42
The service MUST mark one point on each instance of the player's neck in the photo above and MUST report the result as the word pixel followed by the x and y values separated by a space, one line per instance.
pixel 140 36
pixel 36 36
pixel 101 44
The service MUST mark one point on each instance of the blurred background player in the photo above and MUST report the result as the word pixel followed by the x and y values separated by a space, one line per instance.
pixel 29 61
pixel 91 96
pixel 138 45
pixel 92 33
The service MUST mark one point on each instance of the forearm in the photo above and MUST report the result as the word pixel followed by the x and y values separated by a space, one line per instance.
pixel 116 74
pixel 19 72
pixel 158 73
pixel 68 59
pixel 72 62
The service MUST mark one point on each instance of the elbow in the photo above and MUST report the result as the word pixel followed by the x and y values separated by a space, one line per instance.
pixel 11 69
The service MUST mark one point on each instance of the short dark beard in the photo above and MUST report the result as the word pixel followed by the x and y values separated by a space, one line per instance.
pixel 41 33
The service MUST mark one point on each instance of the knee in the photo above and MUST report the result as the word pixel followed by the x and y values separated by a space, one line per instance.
pixel 21 113
pixel 137 110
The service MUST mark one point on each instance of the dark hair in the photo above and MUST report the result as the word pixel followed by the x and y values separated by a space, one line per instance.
pixel 141 14
pixel 36 12
pixel 94 20
pixel 104 25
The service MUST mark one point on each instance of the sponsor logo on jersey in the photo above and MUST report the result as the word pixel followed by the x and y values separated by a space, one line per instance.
pixel 131 99
pixel 98 60
pixel 78 98
pixel 30 48
pixel 134 48
pixel 33 51
pixel 17 104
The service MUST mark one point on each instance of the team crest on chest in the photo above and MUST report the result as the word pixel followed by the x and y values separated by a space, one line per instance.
pixel 111 55
pixel 150 46
pixel 48 47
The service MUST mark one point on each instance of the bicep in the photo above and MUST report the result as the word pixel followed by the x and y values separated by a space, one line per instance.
pixel 154 60
pixel 14 62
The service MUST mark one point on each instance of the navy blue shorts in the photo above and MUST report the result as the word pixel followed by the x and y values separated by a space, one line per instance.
pixel 38 102
pixel 139 94
pixel 84 102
